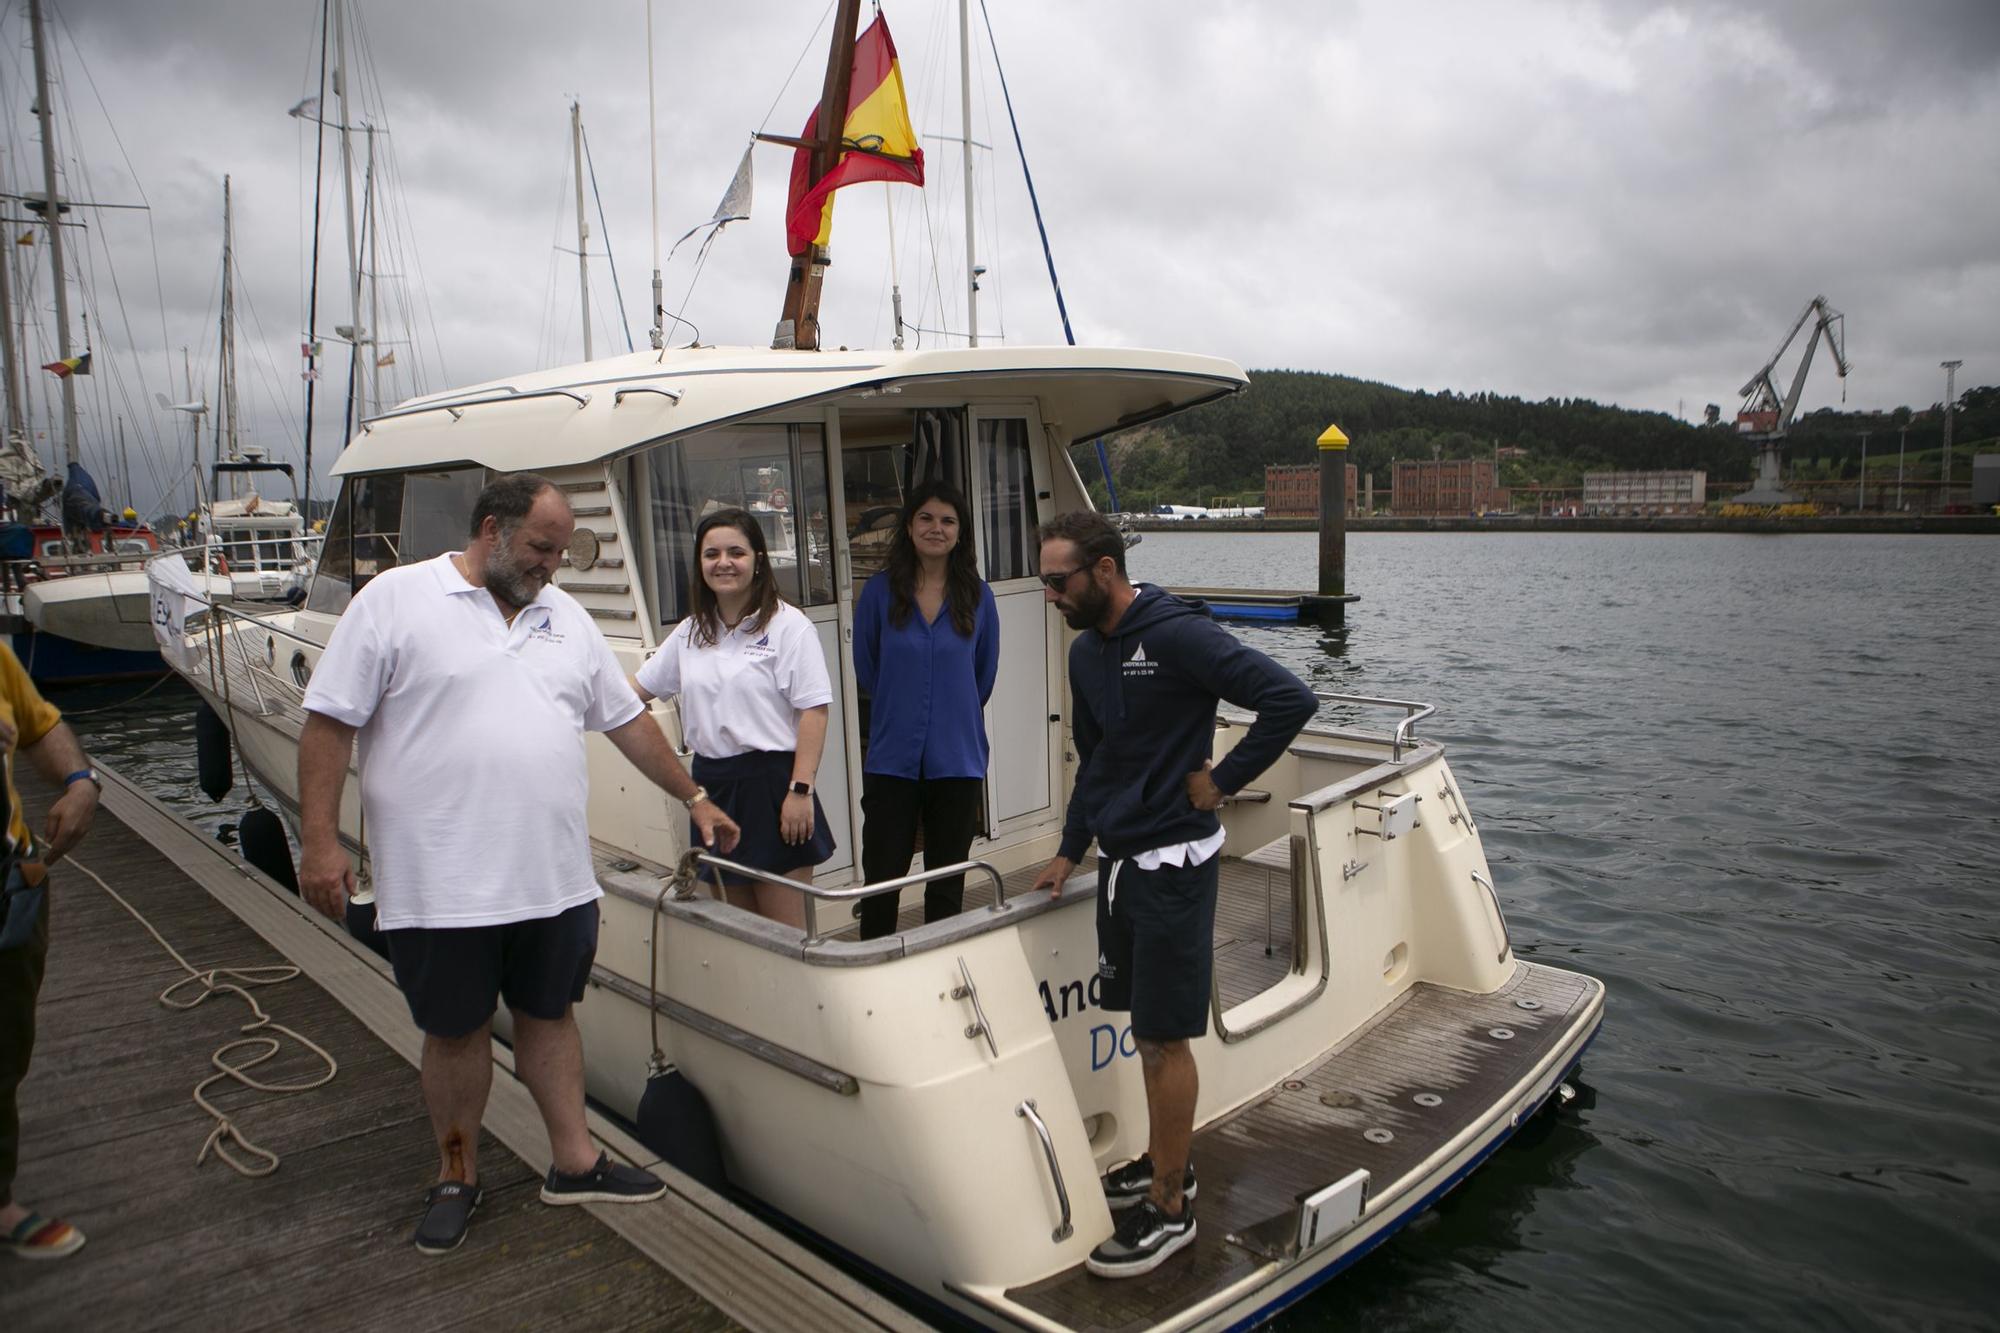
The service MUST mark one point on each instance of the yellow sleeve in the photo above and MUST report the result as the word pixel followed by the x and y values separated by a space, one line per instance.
pixel 34 716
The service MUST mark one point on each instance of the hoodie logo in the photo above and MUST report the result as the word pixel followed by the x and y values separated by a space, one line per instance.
pixel 1138 664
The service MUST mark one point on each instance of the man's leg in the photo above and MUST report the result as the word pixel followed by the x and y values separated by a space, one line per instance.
pixel 548 1056
pixel 457 1075
pixel 1171 1087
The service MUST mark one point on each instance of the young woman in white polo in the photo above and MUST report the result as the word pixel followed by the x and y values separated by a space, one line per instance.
pixel 754 693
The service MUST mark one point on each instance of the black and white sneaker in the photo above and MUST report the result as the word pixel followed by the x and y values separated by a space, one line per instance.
pixel 607 1182
pixel 1133 1182
pixel 1143 1240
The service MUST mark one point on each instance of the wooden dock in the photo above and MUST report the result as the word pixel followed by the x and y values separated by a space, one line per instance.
pixel 110 1136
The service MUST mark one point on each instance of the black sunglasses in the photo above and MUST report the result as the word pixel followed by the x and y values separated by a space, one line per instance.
pixel 1057 582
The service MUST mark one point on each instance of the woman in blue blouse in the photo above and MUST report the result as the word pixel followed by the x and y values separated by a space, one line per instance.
pixel 926 647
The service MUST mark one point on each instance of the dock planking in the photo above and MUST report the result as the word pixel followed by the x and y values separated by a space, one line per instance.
pixel 110 1136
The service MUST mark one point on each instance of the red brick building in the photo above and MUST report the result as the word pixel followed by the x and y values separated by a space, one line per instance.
pixel 1291 490
pixel 1448 487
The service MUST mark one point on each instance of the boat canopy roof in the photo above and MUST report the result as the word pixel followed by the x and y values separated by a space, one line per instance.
pixel 601 409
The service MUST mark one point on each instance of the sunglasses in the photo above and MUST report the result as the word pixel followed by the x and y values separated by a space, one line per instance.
pixel 1057 582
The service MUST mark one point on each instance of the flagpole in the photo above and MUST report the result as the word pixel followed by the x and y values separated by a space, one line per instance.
pixel 798 326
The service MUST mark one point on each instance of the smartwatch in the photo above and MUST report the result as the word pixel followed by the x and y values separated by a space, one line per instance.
pixel 80 775
pixel 802 789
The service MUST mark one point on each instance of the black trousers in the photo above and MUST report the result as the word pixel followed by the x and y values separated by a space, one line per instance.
pixel 20 982
pixel 892 810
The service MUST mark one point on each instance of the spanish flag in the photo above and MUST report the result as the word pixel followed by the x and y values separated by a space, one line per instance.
pixel 877 143
pixel 74 365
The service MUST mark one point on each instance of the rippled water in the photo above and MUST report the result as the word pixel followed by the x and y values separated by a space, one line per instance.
pixel 1751 783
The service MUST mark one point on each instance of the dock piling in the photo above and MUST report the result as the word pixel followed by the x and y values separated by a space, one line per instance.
pixel 1332 527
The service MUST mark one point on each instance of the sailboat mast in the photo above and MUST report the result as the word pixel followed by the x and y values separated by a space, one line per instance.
pixel 228 391
pixel 53 217
pixel 657 333
pixel 582 227
pixel 354 330
pixel 16 434
pixel 371 227
pixel 965 123
pixel 798 326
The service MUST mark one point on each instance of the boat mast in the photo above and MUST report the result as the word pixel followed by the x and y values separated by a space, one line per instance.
pixel 354 330
pixel 798 326
pixel 965 123
pixel 657 333
pixel 227 394
pixel 582 227
pixel 16 433
pixel 53 218
pixel 371 227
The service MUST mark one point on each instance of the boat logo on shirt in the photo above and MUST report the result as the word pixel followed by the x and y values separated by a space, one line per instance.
pixel 1138 664
pixel 761 648
pixel 544 629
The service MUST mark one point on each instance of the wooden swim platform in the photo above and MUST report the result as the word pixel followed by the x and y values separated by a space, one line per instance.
pixel 110 1136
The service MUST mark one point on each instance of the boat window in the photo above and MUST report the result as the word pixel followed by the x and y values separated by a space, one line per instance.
pixel 390 519
pixel 777 473
pixel 1007 521
pixel 883 457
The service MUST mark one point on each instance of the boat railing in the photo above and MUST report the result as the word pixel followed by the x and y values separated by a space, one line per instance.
pixel 696 860
pixel 1398 738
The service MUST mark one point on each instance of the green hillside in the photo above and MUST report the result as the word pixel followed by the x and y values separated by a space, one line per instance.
pixel 1222 449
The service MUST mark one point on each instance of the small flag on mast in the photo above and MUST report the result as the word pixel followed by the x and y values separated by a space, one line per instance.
pixel 386 360
pixel 73 365
pixel 877 142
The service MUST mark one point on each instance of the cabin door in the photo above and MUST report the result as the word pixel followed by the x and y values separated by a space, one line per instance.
pixel 1010 487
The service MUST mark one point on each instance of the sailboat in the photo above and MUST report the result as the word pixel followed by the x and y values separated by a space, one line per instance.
pixel 936 1106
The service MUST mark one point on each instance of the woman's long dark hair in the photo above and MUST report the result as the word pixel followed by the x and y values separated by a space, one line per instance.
pixel 961 567
pixel 764 597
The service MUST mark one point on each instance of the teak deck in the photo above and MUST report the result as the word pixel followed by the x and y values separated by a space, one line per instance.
pixel 110 1136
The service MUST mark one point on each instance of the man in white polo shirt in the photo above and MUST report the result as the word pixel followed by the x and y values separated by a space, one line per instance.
pixel 470 680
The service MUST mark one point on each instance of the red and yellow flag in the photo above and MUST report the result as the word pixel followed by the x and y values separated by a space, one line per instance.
pixel 877 143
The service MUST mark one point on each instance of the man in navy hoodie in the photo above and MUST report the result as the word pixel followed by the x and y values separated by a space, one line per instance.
pixel 1145 676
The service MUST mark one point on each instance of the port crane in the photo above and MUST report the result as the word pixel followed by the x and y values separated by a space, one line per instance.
pixel 1765 417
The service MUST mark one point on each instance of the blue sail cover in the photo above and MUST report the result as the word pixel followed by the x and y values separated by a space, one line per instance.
pixel 82 506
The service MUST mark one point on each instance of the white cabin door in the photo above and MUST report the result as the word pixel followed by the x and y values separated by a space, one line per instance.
pixel 1010 485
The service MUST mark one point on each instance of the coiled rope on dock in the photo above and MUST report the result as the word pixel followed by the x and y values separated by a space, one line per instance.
pixel 231 980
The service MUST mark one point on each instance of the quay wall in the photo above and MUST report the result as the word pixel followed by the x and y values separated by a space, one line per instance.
pixel 1850 523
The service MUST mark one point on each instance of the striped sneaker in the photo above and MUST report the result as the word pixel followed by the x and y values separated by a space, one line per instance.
pixel 1144 1239
pixel 38 1237
pixel 1133 1182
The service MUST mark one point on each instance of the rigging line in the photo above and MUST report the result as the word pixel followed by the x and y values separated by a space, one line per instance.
pixel 1033 199
pixel 804 51
pixel 547 350
pixel 402 226
pixel 604 229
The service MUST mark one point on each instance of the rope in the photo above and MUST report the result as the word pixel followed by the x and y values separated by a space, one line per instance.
pixel 225 1133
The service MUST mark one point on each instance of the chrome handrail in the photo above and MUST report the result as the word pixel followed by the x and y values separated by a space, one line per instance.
pixel 618 397
pixel 1498 914
pixel 696 858
pixel 1026 1110
pixel 457 406
pixel 1414 711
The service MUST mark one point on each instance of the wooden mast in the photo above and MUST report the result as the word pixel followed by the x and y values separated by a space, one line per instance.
pixel 798 326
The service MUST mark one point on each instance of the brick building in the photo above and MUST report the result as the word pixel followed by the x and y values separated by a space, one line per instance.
pixel 1446 487
pixel 1644 492
pixel 1291 490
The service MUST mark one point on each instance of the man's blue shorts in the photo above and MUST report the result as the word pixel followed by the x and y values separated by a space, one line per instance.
pixel 1156 945
pixel 453 977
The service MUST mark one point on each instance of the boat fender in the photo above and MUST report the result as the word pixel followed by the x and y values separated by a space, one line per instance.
pixel 675 1122
pixel 211 753
pixel 262 840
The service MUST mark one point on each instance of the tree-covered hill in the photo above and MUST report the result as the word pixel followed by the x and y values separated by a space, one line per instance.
pixel 1221 450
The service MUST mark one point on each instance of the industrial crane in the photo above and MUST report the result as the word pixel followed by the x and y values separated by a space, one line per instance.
pixel 1765 417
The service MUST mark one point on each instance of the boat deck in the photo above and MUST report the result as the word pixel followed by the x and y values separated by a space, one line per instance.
pixel 110 1138
pixel 1257 1164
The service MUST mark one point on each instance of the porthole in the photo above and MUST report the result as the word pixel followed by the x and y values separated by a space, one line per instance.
pixel 301 671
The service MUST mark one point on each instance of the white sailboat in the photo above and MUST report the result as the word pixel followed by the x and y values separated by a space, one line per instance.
pixel 938 1104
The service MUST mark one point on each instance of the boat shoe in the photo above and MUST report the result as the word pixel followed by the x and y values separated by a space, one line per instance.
pixel 1132 1182
pixel 39 1237
pixel 606 1182
pixel 1144 1239
pixel 448 1209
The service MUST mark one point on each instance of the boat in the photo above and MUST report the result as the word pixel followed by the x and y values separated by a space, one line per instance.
pixel 260 544
pixel 937 1105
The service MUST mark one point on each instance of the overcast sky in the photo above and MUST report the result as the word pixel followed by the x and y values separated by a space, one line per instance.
pixel 1621 201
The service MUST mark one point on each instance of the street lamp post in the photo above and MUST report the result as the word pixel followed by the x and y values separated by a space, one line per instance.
pixel 1950 393
pixel 1862 501
pixel 1902 443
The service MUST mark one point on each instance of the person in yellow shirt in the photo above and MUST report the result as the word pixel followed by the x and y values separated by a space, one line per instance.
pixel 31 725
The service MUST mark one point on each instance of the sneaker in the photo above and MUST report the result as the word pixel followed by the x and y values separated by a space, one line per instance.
pixel 448 1209
pixel 38 1237
pixel 1133 1183
pixel 1143 1240
pixel 607 1182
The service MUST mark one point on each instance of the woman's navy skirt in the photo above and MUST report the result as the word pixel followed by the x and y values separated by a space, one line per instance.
pixel 750 788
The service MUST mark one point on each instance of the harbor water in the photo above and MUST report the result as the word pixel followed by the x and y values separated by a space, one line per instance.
pixel 1749 782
